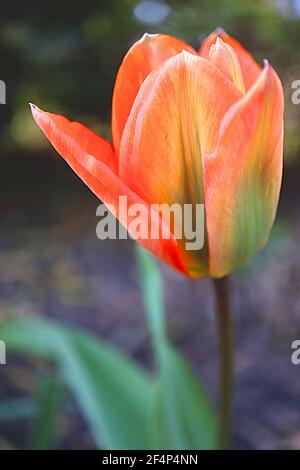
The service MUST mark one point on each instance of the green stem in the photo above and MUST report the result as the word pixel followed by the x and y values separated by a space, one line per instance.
pixel 226 357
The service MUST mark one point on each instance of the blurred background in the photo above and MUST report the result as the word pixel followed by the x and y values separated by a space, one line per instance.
pixel 63 56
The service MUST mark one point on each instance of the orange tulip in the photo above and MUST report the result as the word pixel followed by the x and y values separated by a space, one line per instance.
pixel 188 127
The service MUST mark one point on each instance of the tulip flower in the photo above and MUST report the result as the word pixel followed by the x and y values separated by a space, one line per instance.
pixel 188 127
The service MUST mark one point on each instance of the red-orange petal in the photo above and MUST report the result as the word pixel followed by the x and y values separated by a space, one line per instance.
pixel 250 69
pixel 74 132
pixel 144 56
pixel 73 142
pixel 243 176
pixel 174 121
pixel 224 57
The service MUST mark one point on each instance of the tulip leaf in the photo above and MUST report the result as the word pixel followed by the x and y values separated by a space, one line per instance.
pixel 113 393
pixel 184 417
pixel 152 290
pixel 15 409
pixel 49 402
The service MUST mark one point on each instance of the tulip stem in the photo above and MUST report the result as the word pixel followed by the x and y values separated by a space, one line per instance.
pixel 226 358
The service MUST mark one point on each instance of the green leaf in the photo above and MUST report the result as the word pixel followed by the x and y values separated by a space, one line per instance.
pixel 184 417
pixel 114 394
pixel 50 399
pixel 152 290
pixel 17 408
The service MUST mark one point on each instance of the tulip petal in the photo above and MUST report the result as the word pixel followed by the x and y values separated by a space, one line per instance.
pixel 174 121
pixel 73 131
pixel 224 57
pixel 75 144
pixel 243 176
pixel 144 56
pixel 250 69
